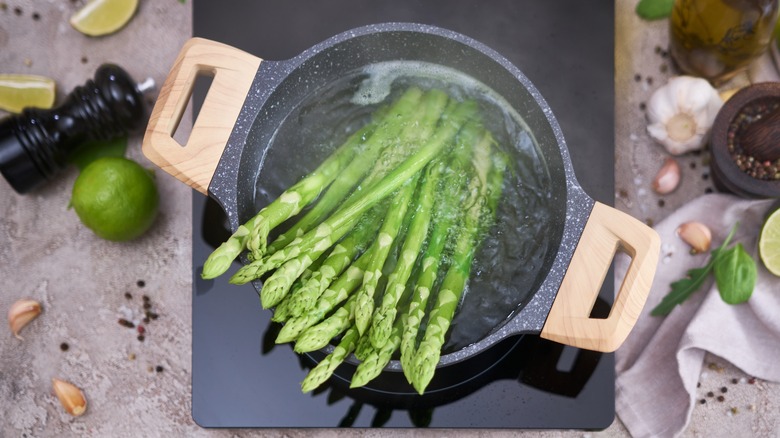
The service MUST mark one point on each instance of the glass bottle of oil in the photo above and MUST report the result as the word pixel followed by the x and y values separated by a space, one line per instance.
pixel 716 39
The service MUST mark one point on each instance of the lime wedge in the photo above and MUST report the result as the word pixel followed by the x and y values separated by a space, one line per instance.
pixel 769 243
pixel 103 17
pixel 18 91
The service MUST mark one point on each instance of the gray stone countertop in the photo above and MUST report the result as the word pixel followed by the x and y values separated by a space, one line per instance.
pixel 81 280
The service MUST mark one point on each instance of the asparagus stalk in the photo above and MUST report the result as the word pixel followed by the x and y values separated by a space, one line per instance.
pixel 377 358
pixel 484 190
pixel 342 255
pixel 318 336
pixel 333 228
pixel 339 291
pixel 322 372
pixel 390 127
pixel 385 315
pixel 384 242
pixel 287 205
pixel 445 218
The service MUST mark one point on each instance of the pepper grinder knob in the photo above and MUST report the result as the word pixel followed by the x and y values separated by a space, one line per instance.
pixel 35 144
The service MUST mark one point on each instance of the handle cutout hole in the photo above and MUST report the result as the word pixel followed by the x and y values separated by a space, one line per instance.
pixel 195 100
pixel 617 269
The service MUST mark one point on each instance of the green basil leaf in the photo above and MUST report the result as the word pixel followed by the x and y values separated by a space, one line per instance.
pixel 654 9
pixel 735 274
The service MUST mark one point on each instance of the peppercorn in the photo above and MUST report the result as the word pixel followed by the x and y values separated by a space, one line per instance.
pixel 141 338
pixel 710 394
pixel 724 390
pixel 721 398
pixel 140 283
pixel 159 368
pixel 128 295
pixel 126 323
pixel 64 346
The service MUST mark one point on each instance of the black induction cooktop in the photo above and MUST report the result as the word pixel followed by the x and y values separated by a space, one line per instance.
pixel 240 378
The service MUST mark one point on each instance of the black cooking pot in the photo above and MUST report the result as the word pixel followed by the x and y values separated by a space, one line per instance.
pixel 249 99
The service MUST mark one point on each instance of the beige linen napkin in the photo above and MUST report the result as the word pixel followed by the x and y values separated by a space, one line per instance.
pixel 659 364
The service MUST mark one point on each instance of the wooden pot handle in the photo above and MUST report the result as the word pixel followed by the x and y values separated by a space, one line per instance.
pixel 607 231
pixel 233 72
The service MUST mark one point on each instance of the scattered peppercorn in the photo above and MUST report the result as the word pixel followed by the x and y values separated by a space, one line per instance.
pixel 734 380
pixel 147 305
pixel 642 106
pixel 128 295
pixel 64 346
pixel 145 320
pixel 658 50
pixel 126 323
pixel 18 11
pixel 661 202
pixel 36 16
pixel 637 77
pixel 724 390
pixel 702 401
pixel 663 68
pixel 721 398
pixel 710 394
pixel 158 368
pixel 705 176
pixel 152 315
pixel 752 380
pixel 649 80
pixel 84 60
pixel 141 338
pixel 140 283
pixel 145 298
pixel 698 384
pixel 708 190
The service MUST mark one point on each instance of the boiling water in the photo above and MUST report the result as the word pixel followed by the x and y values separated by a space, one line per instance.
pixel 508 265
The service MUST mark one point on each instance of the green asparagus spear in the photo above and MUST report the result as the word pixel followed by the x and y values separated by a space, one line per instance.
pixel 322 372
pixel 390 127
pixel 377 359
pixel 485 188
pixel 446 214
pixel 385 315
pixel 318 336
pixel 342 255
pixel 285 206
pixel 383 243
pixel 339 291
pixel 333 228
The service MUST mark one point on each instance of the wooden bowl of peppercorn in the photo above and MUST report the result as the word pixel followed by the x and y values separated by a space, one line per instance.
pixel 745 143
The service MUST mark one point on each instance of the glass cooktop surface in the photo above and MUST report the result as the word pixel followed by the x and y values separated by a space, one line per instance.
pixel 240 378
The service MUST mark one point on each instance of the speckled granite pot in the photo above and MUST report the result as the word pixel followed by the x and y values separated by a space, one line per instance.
pixel 249 98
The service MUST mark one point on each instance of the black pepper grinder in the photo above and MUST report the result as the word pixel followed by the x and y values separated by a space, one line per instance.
pixel 35 144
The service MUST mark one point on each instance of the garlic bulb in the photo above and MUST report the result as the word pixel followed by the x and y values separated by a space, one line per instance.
pixel 681 113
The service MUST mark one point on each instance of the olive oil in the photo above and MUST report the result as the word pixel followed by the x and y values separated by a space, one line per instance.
pixel 716 39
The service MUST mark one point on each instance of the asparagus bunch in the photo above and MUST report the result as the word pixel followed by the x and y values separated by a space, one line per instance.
pixel 404 198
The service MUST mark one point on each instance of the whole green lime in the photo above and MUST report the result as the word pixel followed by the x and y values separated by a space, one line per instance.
pixel 116 198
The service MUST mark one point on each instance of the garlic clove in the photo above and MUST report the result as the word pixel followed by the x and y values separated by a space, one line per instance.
pixel 668 177
pixel 21 313
pixel 71 397
pixel 697 235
